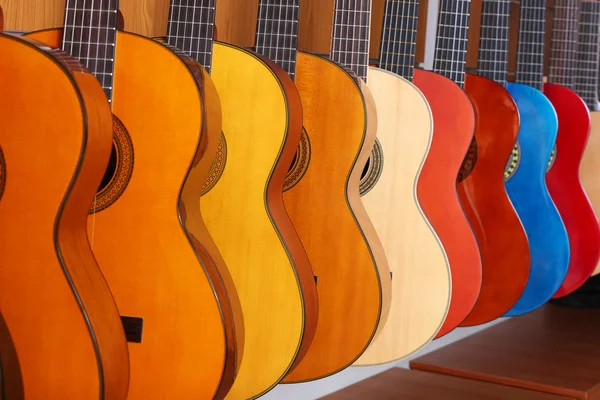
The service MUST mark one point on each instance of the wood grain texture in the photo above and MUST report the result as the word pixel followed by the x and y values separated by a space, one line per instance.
pixel 400 383
pixel 590 165
pixel 335 231
pixel 556 348
pixel 421 283
pixel 566 190
pixel 453 123
pixel 500 235
pixel 29 15
pixel 245 214
pixel 48 263
pixel 164 282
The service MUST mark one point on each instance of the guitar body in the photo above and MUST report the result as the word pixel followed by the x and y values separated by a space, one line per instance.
pixel 154 271
pixel 453 126
pixel 526 187
pixel 590 165
pixel 11 379
pixel 500 235
pixel 421 282
pixel 245 215
pixel 324 203
pixel 565 187
pixel 55 120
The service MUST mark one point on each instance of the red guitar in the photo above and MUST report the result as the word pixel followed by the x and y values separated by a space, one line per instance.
pixel 453 122
pixel 573 131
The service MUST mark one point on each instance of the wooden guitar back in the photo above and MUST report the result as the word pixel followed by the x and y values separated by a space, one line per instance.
pixel 421 276
pixel 55 122
pixel 151 265
pixel 565 187
pixel 322 198
pixel 500 235
pixel 453 125
pixel 590 165
pixel 245 215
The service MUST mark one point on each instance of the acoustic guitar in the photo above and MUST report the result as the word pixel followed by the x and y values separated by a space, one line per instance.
pixel 179 332
pixel 69 338
pixel 353 278
pixel 526 168
pixel 242 202
pixel 421 276
pixel 11 379
pixel 500 234
pixel 573 131
pixel 586 86
pixel 454 123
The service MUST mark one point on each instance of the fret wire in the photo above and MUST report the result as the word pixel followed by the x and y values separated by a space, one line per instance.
pixel 588 46
pixel 530 53
pixel 564 42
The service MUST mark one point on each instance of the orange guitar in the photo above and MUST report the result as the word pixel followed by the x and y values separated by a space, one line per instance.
pixel 182 334
pixel 11 380
pixel 63 321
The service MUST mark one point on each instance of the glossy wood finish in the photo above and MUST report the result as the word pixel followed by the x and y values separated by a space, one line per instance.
pixel 556 348
pixel 340 121
pixel 500 235
pixel 590 165
pixel 421 282
pixel 164 281
pixel 400 383
pixel 565 187
pixel 548 241
pixel 245 215
pixel 55 120
pixel 453 126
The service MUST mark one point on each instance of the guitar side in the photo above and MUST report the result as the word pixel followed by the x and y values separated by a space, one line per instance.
pixel 325 206
pixel 526 187
pixel 453 125
pixel 590 165
pixel 421 281
pixel 500 234
pixel 565 187
pixel 55 116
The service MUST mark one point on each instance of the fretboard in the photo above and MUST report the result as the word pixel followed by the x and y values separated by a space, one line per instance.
pixel 530 53
pixel 277 32
pixel 90 34
pixel 588 49
pixel 351 34
pixel 399 36
pixel 451 43
pixel 493 44
pixel 191 29
pixel 563 56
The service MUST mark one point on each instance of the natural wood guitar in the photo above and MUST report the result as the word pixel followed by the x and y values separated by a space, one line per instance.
pixel 348 260
pixel 421 275
pixel 573 131
pixel 181 331
pixel 588 46
pixel 454 123
pixel 502 240
pixel 243 206
pixel 63 321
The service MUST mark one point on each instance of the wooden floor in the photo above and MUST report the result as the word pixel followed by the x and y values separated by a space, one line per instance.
pixel 553 350
pixel 404 384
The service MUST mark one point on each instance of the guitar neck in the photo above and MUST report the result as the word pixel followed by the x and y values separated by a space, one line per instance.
pixel 451 44
pixel 351 34
pixel 191 29
pixel 530 52
pixel 90 34
pixel 588 48
pixel 277 32
pixel 399 37
pixel 493 44
pixel 563 56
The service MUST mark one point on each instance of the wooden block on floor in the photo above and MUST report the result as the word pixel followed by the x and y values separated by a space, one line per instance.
pixel 554 350
pixel 405 384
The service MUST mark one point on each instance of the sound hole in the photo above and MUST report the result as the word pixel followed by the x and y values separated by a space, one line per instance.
pixel 469 162
pixel 217 167
pixel 299 164
pixel 513 162
pixel 2 173
pixel 551 160
pixel 119 170
pixel 372 170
